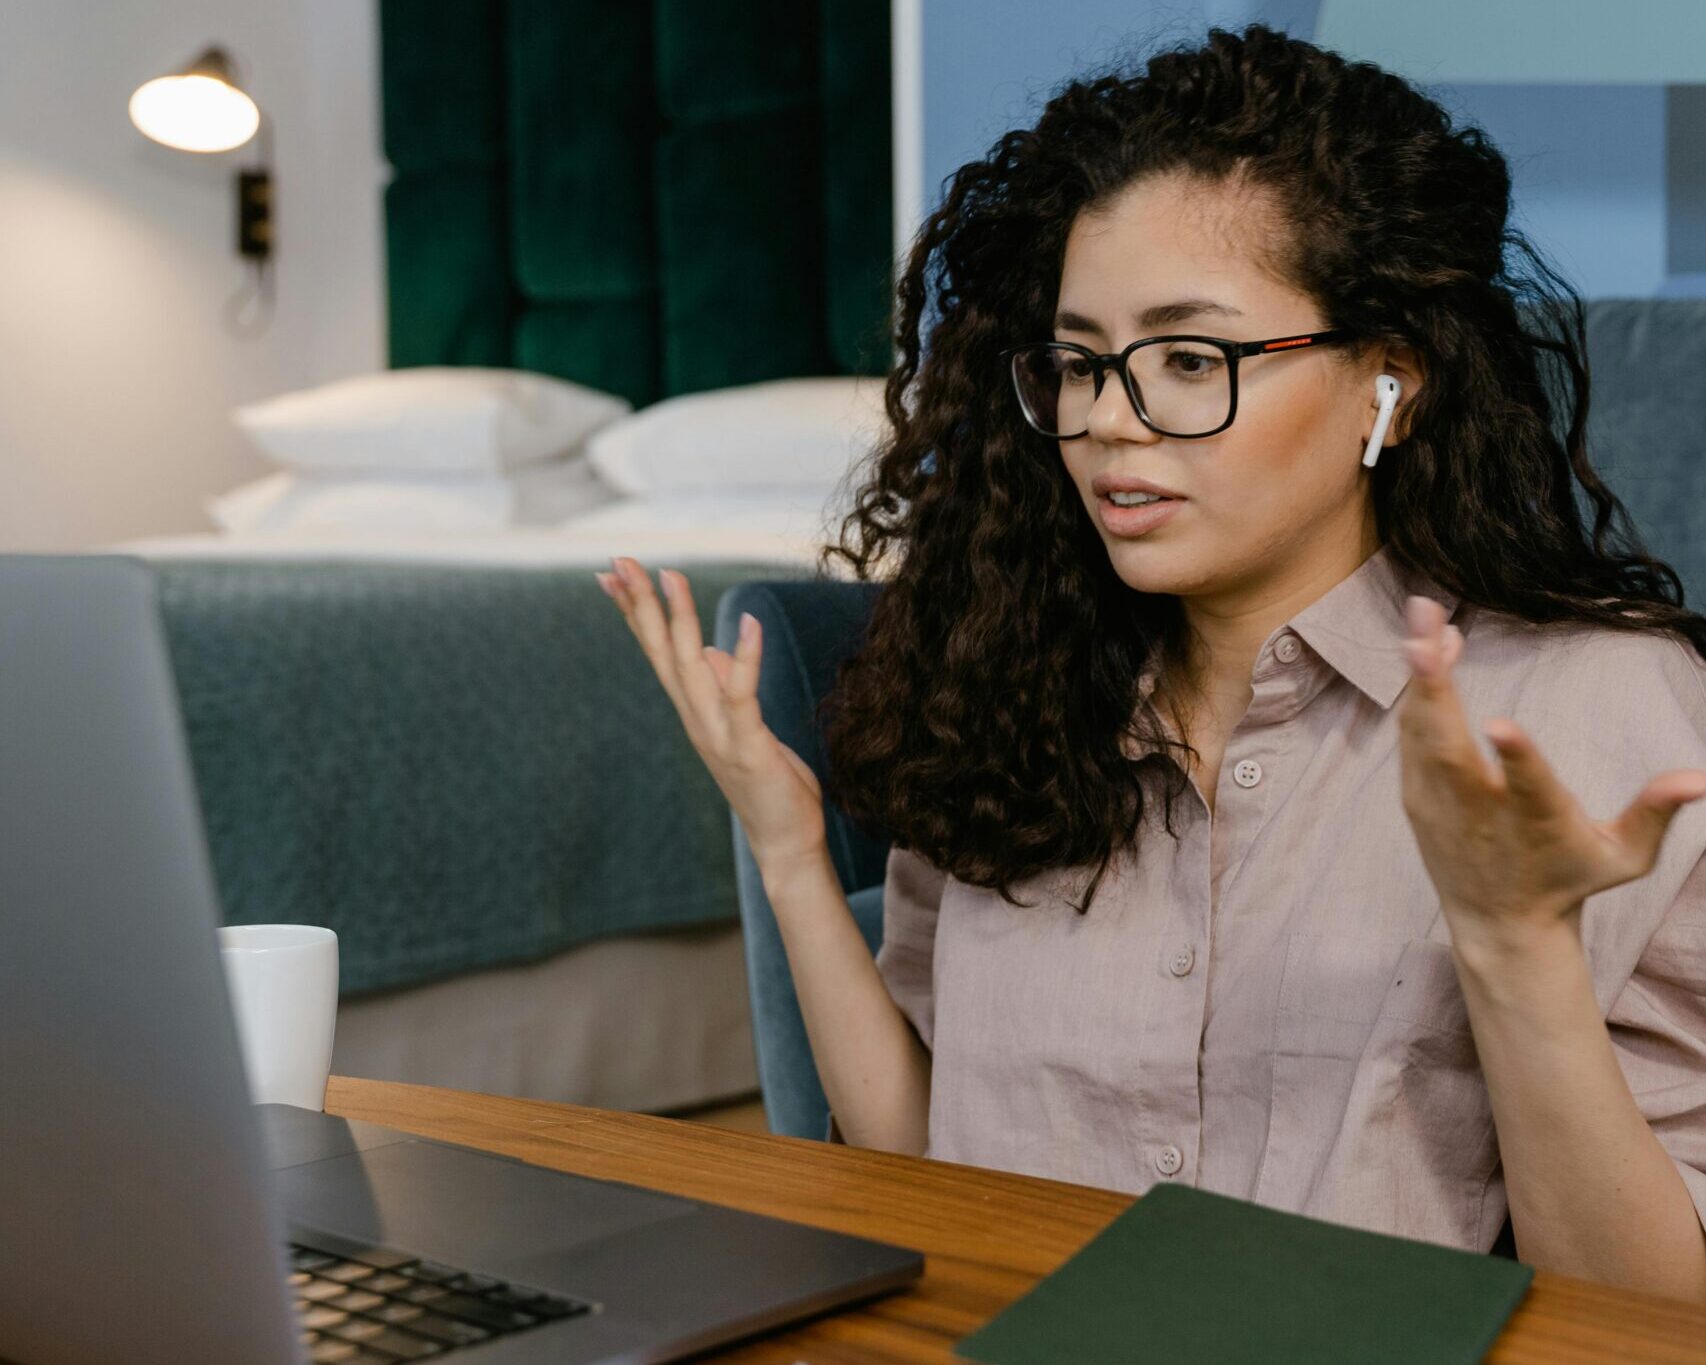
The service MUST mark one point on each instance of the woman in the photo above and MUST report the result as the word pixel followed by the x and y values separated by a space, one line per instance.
pixel 1286 930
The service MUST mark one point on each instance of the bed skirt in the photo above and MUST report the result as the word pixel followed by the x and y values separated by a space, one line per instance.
pixel 646 1022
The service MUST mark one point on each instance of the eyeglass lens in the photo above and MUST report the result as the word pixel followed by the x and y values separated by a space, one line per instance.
pixel 1185 386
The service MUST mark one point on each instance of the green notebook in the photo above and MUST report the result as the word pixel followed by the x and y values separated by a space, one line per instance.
pixel 1192 1278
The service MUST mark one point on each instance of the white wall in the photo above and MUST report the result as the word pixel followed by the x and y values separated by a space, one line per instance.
pixel 117 255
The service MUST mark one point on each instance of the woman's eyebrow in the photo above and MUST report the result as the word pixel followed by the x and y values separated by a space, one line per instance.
pixel 1158 316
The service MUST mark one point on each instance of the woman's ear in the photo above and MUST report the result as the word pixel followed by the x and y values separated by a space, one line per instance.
pixel 1404 364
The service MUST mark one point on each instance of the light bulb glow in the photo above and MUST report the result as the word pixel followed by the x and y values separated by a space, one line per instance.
pixel 194 113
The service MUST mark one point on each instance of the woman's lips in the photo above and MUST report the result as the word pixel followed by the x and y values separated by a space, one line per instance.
pixel 1136 521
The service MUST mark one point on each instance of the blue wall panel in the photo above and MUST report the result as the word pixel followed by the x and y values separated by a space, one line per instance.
pixel 1600 185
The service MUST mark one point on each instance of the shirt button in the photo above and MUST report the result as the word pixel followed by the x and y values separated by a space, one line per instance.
pixel 1248 773
pixel 1287 648
pixel 1180 963
pixel 1169 1159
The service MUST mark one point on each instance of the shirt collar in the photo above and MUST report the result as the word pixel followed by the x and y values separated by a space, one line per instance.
pixel 1358 627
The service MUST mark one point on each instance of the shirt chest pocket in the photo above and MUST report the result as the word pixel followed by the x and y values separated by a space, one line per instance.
pixel 1379 1115
pixel 1336 992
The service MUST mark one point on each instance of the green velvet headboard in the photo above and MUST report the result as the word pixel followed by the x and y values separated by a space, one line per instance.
pixel 651 197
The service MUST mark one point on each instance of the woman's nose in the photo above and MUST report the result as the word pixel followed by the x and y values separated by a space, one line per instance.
pixel 1113 417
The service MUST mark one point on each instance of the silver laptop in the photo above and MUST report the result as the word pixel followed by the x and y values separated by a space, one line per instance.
pixel 149 1213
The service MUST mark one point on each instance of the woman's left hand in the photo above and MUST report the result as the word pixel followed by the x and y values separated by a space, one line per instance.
pixel 1510 850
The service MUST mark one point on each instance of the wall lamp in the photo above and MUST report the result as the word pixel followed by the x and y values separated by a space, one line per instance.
pixel 201 107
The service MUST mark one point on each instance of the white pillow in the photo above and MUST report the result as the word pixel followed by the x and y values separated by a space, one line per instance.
pixel 429 419
pixel 781 433
pixel 540 495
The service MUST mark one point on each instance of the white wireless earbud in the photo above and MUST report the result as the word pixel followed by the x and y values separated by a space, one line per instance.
pixel 1387 388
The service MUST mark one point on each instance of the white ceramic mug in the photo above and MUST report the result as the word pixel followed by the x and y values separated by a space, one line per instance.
pixel 283 981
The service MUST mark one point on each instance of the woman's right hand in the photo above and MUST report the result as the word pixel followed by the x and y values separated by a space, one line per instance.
pixel 771 789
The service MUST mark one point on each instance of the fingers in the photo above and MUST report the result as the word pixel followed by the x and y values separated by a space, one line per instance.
pixel 1432 646
pixel 737 675
pixel 1642 826
pixel 720 662
pixel 711 688
pixel 1453 646
pixel 1432 716
pixel 645 618
pixel 741 692
pixel 698 680
pixel 1528 778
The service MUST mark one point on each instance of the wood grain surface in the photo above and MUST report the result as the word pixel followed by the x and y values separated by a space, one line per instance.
pixel 987 1236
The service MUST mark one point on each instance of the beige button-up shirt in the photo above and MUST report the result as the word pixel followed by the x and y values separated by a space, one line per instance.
pixel 1268 1008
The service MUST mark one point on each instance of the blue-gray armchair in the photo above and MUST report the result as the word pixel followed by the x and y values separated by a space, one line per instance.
pixel 809 627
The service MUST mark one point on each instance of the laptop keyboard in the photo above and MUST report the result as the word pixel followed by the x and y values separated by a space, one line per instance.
pixel 385 1306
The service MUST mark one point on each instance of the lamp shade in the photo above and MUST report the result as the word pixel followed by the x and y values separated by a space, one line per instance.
pixel 198 109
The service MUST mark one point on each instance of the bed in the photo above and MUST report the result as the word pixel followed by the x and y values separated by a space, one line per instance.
pixel 449 748
pixel 453 752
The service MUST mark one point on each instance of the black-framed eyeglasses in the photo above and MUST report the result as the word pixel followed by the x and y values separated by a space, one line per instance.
pixel 1185 386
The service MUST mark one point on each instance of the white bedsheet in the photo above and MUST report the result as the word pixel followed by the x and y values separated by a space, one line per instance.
pixel 660 533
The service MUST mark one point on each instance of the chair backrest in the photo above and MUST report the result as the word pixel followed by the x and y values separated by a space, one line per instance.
pixel 1647 423
pixel 1646 436
pixel 809 627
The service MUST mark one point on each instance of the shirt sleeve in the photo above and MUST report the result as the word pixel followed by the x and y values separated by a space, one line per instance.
pixel 912 894
pixel 1658 1031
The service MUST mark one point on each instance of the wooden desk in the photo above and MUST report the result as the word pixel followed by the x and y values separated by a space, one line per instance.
pixel 988 1236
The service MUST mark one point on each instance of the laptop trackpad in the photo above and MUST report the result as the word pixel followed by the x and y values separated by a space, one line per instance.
pixel 463 1207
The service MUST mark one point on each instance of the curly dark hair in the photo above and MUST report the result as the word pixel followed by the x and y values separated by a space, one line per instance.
pixel 981 721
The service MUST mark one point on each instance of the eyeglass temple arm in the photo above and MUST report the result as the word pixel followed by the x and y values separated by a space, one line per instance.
pixel 1291 343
